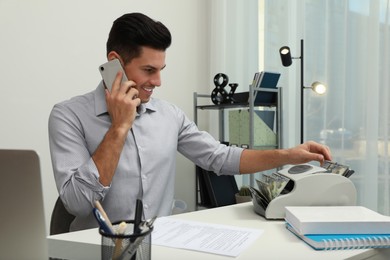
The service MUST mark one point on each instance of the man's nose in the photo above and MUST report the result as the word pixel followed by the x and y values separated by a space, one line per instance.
pixel 156 80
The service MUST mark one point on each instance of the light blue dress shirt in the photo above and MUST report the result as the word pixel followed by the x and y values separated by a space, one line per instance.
pixel 147 164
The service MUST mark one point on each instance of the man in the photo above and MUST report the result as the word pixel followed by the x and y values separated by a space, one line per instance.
pixel 119 145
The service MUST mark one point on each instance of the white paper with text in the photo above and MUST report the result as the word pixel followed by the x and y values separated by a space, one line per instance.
pixel 204 237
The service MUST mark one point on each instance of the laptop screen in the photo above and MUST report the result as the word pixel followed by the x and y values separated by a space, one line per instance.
pixel 23 231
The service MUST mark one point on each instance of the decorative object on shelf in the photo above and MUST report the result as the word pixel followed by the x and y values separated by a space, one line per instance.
pixel 219 95
pixel 243 195
pixel 233 87
pixel 317 87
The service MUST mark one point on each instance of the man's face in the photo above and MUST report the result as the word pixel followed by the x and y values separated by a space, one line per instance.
pixel 145 71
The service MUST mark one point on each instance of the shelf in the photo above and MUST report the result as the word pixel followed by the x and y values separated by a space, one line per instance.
pixel 223 106
pixel 264 103
pixel 237 105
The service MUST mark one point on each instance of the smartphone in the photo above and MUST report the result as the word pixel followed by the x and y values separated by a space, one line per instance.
pixel 109 70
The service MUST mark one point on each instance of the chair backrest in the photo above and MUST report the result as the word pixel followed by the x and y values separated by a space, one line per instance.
pixel 22 225
pixel 216 191
pixel 60 219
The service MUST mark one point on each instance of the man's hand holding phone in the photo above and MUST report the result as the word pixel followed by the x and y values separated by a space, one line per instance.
pixel 122 102
pixel 121 95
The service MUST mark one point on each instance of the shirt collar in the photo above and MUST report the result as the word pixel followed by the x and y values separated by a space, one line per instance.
pixel 101 106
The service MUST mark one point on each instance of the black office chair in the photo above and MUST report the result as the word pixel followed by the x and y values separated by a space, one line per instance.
pixel 60 219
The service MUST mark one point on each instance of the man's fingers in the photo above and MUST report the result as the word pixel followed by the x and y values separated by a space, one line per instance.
pixel 117 82
pixel 132 92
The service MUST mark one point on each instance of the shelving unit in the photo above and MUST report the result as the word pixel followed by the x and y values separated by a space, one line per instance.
pixel 251 106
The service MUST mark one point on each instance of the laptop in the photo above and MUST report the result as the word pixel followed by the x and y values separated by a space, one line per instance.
pixel 22 220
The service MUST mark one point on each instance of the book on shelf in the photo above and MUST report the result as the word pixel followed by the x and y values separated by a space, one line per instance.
pixel 336 220
pixel 343 241
pixel 265 80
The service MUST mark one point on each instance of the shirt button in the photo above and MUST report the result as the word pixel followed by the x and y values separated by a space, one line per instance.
pixel 146 206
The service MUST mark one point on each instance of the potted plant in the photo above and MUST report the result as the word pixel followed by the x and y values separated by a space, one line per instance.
pixel 243 195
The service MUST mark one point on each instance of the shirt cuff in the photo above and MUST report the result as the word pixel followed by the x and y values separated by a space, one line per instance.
pixel 91 179
pixel 232 163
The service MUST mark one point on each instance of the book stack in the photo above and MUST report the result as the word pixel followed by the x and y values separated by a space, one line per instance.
pixel 339 227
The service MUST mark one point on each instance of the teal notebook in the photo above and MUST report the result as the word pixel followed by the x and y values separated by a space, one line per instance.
pixel 343 241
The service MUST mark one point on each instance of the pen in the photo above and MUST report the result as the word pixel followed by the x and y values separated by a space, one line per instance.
pixel 103 213
pixel 138 216
pixel 136 229
pixel 102 222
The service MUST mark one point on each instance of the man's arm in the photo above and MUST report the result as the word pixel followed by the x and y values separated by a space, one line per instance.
pixel 260 160
pixel 106 156
pixel 122 103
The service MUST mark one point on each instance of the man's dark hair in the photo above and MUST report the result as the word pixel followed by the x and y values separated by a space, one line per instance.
pixel 130 32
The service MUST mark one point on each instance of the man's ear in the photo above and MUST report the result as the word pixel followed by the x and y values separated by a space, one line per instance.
pixel 113 55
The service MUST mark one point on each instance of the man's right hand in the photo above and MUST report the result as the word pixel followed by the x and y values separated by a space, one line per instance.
pixel 122 103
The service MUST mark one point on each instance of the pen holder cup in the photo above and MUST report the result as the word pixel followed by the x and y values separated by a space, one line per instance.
pixel 127 246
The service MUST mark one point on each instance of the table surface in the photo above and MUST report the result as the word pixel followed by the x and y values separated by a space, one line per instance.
pixel 276 242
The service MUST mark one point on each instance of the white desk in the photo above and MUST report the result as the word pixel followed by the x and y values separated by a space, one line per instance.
pixel 275 243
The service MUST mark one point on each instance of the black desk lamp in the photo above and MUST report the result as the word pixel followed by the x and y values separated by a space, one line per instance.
pixel 319 88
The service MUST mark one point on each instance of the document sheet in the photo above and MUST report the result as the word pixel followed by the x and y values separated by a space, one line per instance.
pixel 204 237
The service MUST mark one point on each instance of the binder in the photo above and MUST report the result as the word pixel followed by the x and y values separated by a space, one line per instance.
pixel 343 241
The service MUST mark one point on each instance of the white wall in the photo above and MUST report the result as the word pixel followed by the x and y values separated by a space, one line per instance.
pixel 50 51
